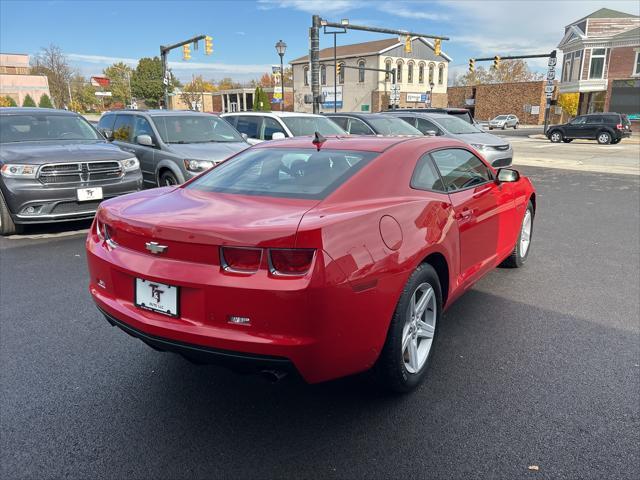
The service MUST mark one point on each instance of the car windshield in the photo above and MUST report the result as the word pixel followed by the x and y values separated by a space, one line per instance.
pixel 195 129
pixel 285 172
pixel 387 125
pixel 301 126
pixel 38 127
pixel 456 126
pixel 501 117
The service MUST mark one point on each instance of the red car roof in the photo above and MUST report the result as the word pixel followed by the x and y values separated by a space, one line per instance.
pixel 355 142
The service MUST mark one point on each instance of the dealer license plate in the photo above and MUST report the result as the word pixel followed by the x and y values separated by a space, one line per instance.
pixel 86 194
pixel 157 296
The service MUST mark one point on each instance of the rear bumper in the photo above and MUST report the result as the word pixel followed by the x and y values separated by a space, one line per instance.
pixel 198 354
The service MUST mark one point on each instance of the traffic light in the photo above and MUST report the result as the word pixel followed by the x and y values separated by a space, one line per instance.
pixel 472 65
pixel 407 44
pixel 338 68
pixel 437 46
pixel 496 62
pixel 208 45
pixel 186 52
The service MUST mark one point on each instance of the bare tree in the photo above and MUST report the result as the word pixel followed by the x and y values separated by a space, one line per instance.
pixel 509 71
pixel 54 64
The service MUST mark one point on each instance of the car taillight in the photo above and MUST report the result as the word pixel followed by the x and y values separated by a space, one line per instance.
pixel 240 259
pixel 290 261
pixel 619 126
pixel 105 234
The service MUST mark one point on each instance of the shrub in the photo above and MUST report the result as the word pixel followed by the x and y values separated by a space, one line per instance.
pixel 28 101
pixel 45 101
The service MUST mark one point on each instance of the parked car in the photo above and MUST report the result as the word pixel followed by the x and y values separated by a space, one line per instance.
pixel 461 113
pixel 495 150
pixel 604 127
pixel 261 126
pixel 372 124
pixel 322 256
pixel 504 121
pixel 172 145
pixel 54 167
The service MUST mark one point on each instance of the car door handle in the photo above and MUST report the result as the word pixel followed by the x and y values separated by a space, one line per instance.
pixel 465 214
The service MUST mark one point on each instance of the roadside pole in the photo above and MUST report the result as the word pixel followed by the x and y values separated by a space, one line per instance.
pixel 164 52
pixel 548 89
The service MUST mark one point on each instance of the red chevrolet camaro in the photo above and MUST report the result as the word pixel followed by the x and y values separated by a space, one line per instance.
pixel 326 258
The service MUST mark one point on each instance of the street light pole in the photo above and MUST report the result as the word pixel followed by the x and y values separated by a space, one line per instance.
pixel 281 47
pixel 335 33
pixel 431 94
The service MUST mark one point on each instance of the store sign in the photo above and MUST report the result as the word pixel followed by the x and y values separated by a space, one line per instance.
pixel 535 109
pixel 328 100
pixel 416 97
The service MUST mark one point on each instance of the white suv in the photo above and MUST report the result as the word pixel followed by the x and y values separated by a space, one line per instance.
pixel 261 126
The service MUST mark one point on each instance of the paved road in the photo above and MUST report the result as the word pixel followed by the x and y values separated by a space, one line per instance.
pixel 520 132
pixel 537 366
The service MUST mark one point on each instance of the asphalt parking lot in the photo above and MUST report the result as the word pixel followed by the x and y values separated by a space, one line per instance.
pixel 534 367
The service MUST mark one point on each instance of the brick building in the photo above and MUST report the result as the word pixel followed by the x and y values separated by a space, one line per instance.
pixel 232 100
pixel 364 90
pixel 601 62
pixel 16 80
pixel 526 100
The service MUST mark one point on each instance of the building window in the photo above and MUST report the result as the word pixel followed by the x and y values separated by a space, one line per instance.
pixel 323 74
pixel 441 74
pixel 410 73
pixel 421 73
pixel 596 69
pixel 361 71
pixel 566 70
pixel 387 67
pixel 305 72
pixel 576 65
pixel 431 69
pixel 399 73
pixel 636 64
pixel 341 74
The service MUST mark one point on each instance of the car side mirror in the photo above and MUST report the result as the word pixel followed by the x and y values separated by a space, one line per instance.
pixel 107 133
pixel 507 175
pixel 431 133
pixel 145 140
pixel 278 136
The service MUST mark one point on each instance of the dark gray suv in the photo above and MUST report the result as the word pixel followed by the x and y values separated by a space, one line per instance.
pixel 54 166
pixel 172 145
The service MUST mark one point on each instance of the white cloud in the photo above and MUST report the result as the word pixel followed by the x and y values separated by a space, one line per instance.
pixel 241 33
pixel 319 7
pixel 413 10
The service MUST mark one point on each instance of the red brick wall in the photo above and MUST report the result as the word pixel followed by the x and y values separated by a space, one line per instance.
pixel 621 62
pixel 586 63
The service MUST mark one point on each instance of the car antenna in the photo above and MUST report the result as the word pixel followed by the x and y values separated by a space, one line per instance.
pixel 318 140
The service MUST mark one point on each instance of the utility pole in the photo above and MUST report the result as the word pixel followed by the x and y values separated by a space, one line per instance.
pixel 314 48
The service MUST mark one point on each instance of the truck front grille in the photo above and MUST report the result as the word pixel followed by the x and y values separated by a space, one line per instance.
pixel 80 172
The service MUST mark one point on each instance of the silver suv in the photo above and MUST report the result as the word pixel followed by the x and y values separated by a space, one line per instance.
pixel 171 145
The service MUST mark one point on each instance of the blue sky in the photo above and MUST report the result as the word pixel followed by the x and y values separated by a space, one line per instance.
pixel 96 34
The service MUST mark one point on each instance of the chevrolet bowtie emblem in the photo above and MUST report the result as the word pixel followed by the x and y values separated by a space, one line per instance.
pixel 155 247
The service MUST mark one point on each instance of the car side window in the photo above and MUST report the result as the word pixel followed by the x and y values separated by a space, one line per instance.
pixel 578 121
pixel 460 169
pixel 123 128
pixel 425 176
pixel 271 126
pixel 250 125
pixel 425 126
pixel 106 122
pixel 410 120
pixel 342 122
pixel 594 119
pixel 358 127
pixel 142 127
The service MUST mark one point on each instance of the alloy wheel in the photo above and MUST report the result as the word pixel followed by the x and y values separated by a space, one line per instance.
pixel 604 138
pixel 419 328
pixel 525 233
pixel 555 137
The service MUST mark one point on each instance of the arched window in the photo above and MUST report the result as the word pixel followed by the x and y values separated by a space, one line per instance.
pixel 441 74
pixel 432 66
pixel 410 72
pixel 421 73
pixel 323 74
pixel 361 70
pixel 399 72
pixel 305 72
pixel 387 67
pixel 341 74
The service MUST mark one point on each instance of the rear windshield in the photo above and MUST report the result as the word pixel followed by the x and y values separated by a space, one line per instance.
pixel 195 129
pixel 42 127
pixel 301 126
pixel 501 117
pixel 286 172
pixel 388 125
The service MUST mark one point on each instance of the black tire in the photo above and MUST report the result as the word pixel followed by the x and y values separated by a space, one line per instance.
pixel 604 137
pixel 7 227
pixel 390 369
pixel 167 179
pixel 504 126
pixel 556 136
pixel 567 140
pixel 515 126
pixel 616 141
pixel 517 259
pixel 490 128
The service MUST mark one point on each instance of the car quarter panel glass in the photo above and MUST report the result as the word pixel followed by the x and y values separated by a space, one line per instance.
pixel 194 129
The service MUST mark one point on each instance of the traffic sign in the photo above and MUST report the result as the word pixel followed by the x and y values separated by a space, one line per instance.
pixel 548 89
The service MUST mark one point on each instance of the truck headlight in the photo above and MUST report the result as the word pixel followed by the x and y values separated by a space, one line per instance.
pixel 198 165
pixel 14 170
pixel 130 164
